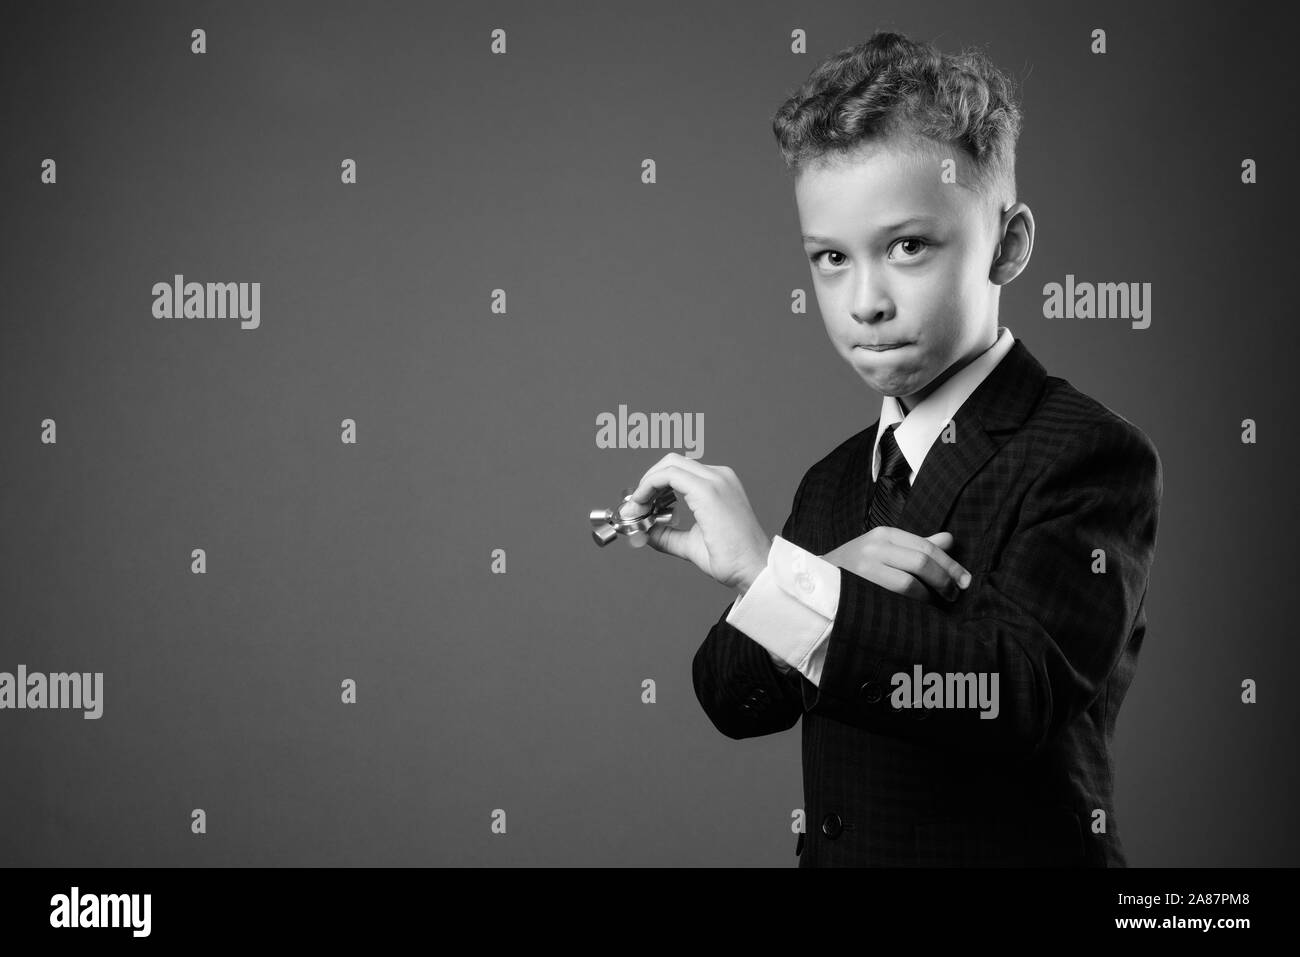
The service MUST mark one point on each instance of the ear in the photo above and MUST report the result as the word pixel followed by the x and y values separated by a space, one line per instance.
pixel 1017 243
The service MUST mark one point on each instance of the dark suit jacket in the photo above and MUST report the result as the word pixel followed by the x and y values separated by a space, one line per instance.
pixel 1039 477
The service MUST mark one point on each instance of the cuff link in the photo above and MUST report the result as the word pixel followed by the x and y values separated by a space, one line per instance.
pixel 633 520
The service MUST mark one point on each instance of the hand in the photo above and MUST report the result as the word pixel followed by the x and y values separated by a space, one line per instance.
pixel 726 542
pixel 902 562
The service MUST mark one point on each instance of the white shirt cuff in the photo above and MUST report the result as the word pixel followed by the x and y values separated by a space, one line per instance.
pixel 790 608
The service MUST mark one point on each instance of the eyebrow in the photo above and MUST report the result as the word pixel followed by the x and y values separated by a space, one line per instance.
pixel 911 220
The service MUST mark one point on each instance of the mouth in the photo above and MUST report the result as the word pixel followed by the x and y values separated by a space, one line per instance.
pixel 883 346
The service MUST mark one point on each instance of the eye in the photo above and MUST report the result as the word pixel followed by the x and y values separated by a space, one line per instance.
pixel 826 252
pixel 915 241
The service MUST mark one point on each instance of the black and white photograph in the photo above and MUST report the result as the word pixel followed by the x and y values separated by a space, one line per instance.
pixel 355 372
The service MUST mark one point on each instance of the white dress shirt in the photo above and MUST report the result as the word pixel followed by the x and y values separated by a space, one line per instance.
pixel 790 608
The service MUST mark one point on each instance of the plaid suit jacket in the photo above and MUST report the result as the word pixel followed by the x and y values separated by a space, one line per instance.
pixel 1041 485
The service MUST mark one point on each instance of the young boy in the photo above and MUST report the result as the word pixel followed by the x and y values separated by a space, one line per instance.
pixel 955 604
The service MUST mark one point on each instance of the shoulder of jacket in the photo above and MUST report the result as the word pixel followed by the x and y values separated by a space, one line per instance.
pixel 834 462
pixel 1066 415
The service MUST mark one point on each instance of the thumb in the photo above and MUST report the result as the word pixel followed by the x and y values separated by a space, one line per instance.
pixel 942 539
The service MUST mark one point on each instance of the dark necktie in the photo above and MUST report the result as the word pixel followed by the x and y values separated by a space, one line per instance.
pixel 889 494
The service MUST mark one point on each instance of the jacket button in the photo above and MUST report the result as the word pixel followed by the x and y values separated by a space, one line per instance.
pixel 832 824
pixel 871 691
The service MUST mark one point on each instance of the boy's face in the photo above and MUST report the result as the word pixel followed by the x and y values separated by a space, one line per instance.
pixel 881 277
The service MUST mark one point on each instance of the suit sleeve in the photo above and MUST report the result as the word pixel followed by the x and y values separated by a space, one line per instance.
pixel 1044 617
pixel 738 683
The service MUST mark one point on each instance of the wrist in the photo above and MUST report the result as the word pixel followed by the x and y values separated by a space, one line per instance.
pixel 753 570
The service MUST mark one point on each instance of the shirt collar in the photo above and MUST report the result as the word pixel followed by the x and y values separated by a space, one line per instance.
pixel 918 429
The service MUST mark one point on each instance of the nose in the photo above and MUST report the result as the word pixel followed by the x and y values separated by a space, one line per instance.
pixel 871 302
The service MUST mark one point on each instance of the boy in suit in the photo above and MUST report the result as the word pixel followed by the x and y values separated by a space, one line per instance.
pixel 955 605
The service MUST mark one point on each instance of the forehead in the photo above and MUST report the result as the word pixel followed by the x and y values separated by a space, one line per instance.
pixel 881 183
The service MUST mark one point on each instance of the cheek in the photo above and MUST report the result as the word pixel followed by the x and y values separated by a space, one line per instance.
pixel 831 322
pixel 825 304
pixel 948 310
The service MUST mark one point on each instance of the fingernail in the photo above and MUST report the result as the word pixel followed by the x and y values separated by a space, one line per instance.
pixel 965 580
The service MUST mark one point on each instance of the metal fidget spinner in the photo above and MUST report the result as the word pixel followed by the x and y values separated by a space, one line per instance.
pixel 632 519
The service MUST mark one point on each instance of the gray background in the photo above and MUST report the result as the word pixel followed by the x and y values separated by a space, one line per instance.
pixel 325 561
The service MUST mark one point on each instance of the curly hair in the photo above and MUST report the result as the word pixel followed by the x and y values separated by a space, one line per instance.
pixel 890 85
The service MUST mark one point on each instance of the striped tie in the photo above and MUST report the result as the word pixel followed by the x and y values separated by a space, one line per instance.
pixel 889 494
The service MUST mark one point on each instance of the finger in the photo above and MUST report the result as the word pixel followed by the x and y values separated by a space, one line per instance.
pixel 923 566
pixel 936 553
pixel 944 541
pixel 670 541
pixel 901 583
pixel 664 474
pixel 687 483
